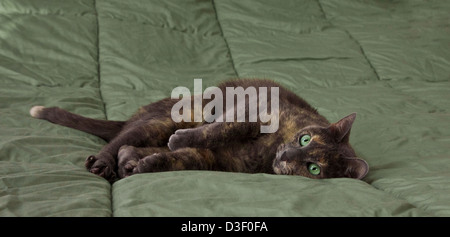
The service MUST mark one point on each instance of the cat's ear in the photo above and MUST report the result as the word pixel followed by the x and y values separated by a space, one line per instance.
pixel 341 129
pixel 356 168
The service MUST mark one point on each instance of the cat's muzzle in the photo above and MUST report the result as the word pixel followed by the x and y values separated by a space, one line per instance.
pixel 280 163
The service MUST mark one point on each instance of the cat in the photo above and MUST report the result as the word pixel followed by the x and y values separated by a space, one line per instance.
pixel 305 144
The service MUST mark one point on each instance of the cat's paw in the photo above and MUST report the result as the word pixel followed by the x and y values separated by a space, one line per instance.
pixel 182 138
pixel 154 163
pixel 101 167
pixel 128 159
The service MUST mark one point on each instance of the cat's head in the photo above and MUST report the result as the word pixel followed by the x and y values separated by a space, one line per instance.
pixel 321 152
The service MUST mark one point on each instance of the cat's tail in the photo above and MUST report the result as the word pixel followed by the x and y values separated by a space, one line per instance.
pixel 102 128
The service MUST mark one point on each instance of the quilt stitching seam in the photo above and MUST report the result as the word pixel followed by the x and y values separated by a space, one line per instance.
pixel 363 53
pixel 378 77
pixel 353 39
pixel 100 89
pixel 98 60
pixel 224 38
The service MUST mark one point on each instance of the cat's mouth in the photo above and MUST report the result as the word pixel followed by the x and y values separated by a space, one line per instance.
pixel 280 150
pixel 280 165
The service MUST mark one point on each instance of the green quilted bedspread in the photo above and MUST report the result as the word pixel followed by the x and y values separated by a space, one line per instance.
pixel 389 61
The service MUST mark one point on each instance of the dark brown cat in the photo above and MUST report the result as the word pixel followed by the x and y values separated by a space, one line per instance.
pixel 150 141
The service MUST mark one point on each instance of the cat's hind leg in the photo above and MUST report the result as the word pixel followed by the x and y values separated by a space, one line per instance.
pixel 153 133
pixel 182 159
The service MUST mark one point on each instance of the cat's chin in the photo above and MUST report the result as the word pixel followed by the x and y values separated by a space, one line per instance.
pixel 278 167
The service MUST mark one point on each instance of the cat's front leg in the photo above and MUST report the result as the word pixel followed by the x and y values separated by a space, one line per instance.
pixel 129 156
pixel 189 137
pixel 213 135
pixel 182 159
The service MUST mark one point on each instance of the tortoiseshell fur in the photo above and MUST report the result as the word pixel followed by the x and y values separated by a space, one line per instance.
pixel 150 141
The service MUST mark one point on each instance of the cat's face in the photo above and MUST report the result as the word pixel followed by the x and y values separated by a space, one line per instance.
pixel 321 152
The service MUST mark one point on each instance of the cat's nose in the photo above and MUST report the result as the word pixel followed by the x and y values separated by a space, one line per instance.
pixel 288 155
pixel 285 156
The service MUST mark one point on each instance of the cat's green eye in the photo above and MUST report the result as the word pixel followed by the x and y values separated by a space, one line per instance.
pixel 314 169
pixel 304 140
